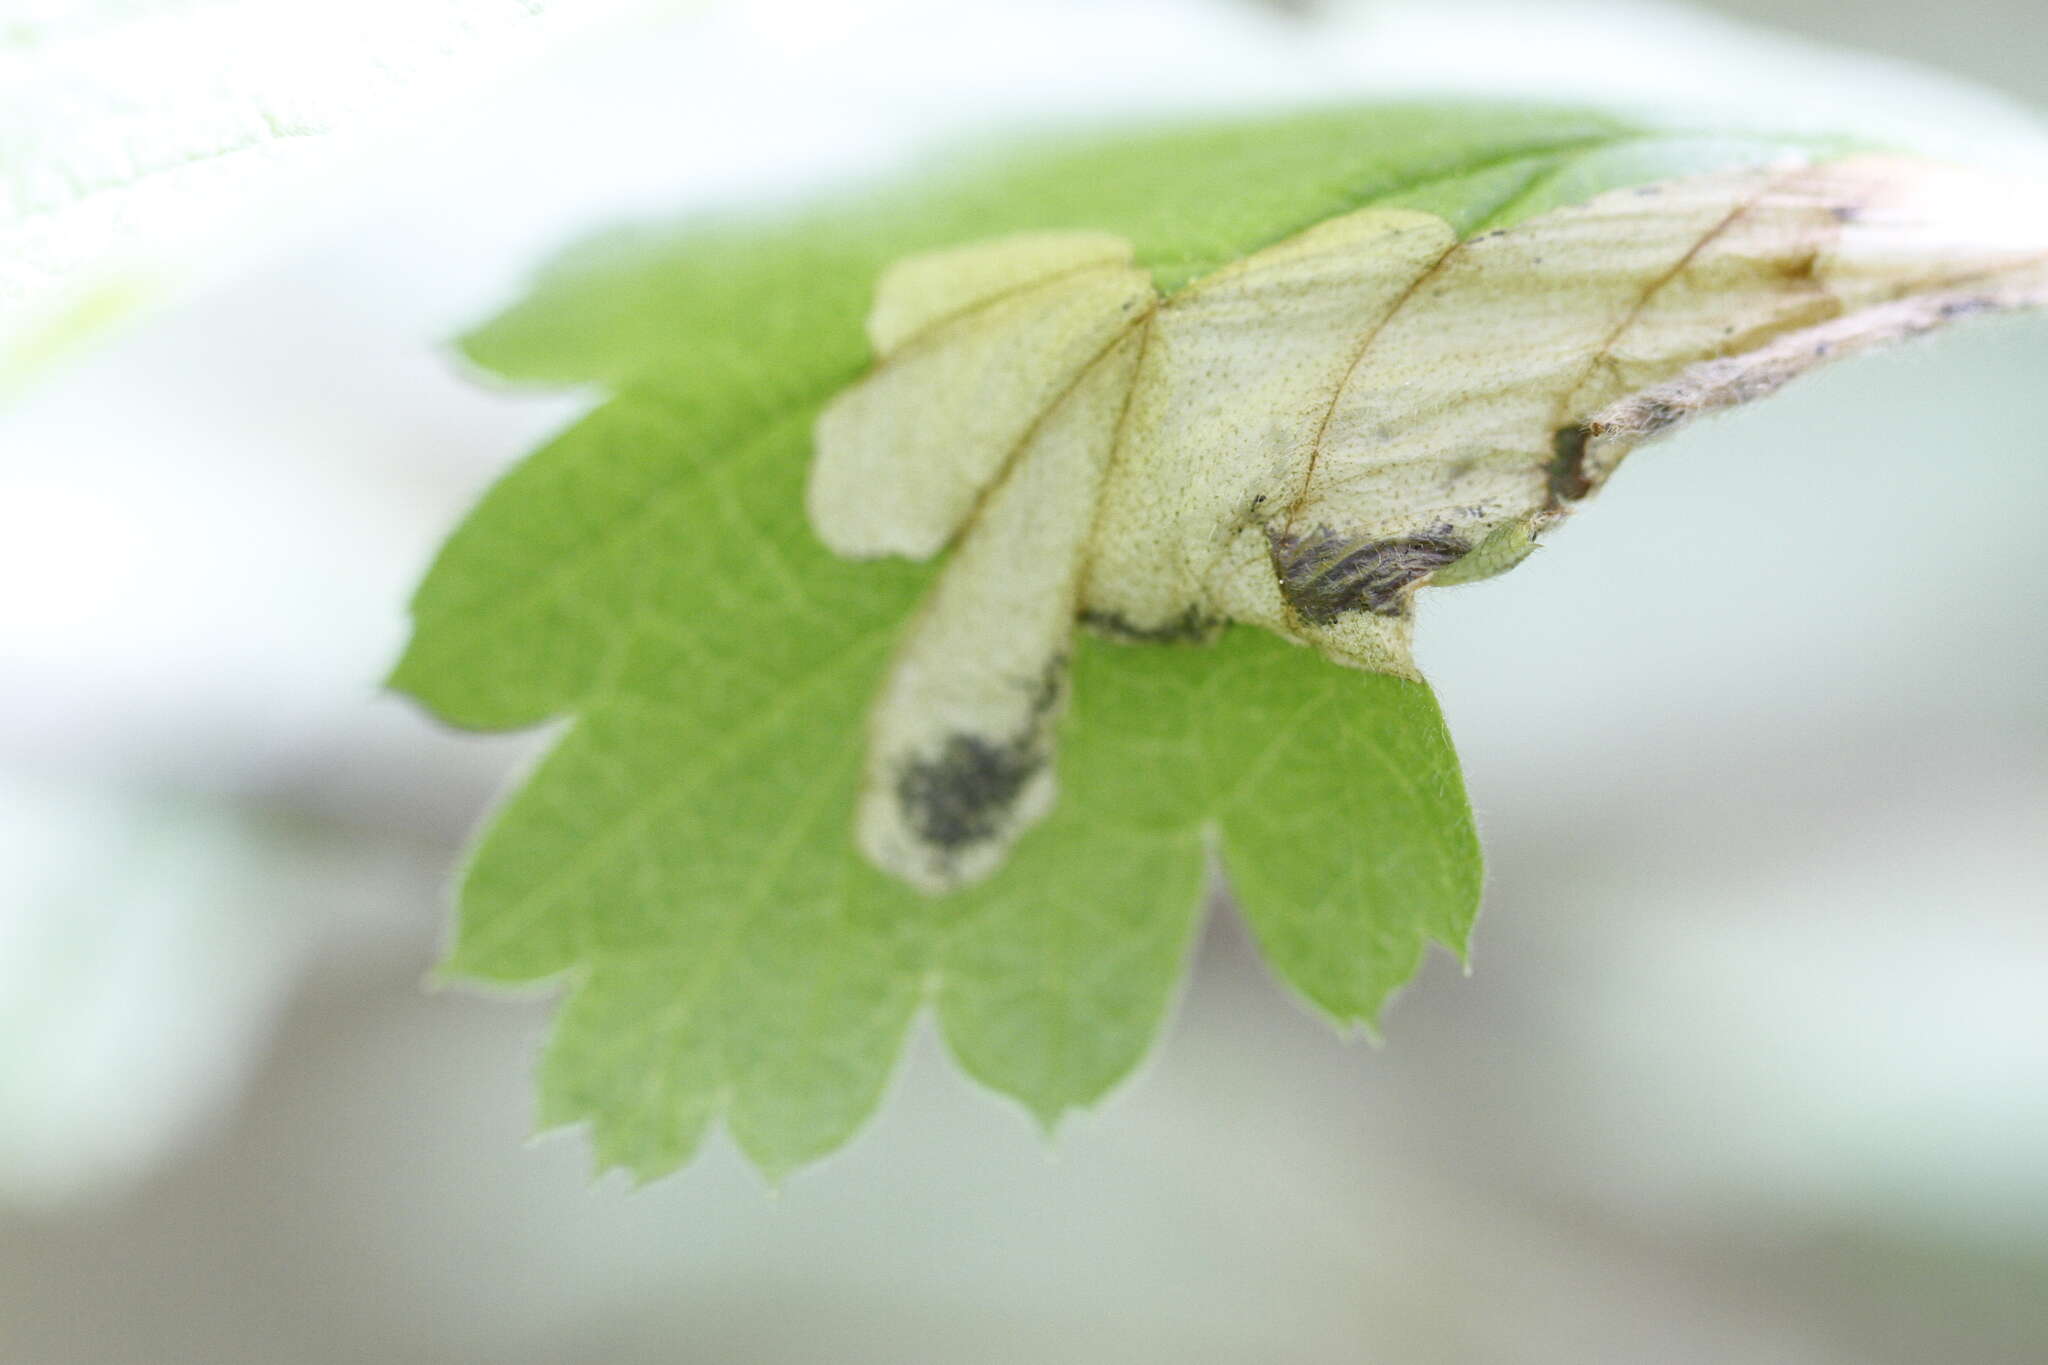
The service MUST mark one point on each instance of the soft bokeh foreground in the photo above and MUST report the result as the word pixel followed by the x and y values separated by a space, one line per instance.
pixel 1753 1064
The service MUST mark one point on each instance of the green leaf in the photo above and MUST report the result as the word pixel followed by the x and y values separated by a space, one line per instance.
pixel 683 860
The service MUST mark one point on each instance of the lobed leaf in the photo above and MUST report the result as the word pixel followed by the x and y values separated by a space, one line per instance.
pixel 684 860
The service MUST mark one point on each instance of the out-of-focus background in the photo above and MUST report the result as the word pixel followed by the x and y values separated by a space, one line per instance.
pixel 1753 1064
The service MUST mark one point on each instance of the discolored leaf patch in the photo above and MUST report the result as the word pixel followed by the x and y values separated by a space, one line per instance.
pixel 1303 438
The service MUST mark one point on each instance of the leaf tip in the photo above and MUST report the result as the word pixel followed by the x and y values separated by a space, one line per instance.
pixel 414 679
pixel 1047 1118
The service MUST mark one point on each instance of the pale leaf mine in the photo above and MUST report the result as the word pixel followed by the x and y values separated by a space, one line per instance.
pixel 1303 438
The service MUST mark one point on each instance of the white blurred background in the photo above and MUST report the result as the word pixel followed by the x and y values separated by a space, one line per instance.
pixel 1754 1061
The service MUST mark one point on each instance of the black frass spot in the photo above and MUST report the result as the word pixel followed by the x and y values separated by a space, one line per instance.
pixel 959 797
